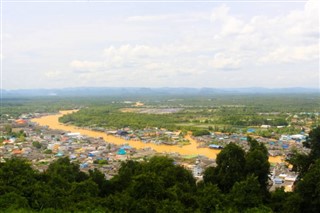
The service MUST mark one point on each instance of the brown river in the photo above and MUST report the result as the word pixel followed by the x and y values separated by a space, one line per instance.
pixel 52 121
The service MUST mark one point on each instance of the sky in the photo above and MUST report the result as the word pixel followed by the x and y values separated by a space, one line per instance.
pixel 217 44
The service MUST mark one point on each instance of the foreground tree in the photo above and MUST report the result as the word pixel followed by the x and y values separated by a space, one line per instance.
pixel 155 185
pixel 257 164
pixel 230 168
pixel 302 162
pixel 210 198
pixel 309 189
pixel 246 194
pixel 63 168
pixel 313 142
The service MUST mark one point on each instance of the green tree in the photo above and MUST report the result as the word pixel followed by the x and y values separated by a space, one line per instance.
pixel 148 185
pixel 200 132
pixel 230 167
pixel 40 196
pixel 48 151
pixel 257 164
pixel 210 176
pixel 17 172
pixel 12 201
pixel 119 202
pixel 246 194
pixel 300 163
pixel 303 162
pixel 210 198
pixel 313 142
pixel 84 190
pixel 277 199
pixel 309 189
pixel 68 171
pixel 170 206
pixel 292 203
pixel 37 144
pixel 172 174
pixel 99 178
pixel 125 174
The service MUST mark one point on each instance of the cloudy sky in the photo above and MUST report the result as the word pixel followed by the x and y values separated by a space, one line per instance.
pixel 153 44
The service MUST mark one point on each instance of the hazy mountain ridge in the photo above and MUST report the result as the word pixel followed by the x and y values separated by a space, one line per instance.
pixel 116 91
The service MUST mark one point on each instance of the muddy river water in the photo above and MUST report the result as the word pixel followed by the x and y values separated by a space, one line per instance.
pixel 52 121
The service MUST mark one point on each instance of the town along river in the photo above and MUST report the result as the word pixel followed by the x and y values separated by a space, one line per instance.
pixel 52 121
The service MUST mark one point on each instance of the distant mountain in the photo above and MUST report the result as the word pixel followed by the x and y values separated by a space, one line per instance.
pixel 128 91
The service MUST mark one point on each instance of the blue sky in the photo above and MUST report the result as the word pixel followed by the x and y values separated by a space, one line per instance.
pixel 152 44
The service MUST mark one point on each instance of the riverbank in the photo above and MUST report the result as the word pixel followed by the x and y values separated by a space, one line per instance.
pixel 52 121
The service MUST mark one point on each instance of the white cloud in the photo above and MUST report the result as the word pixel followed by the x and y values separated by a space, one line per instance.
pixel 178 48
pixel 292 54
pixel 230 43
pixel 265 40
pixel 53 74
pixel 151 18
pixel 130 51
pixel 229 24
pixel 221 61
pixel 85 65
pixel 178 18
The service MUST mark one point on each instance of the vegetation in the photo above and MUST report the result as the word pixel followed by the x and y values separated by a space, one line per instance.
pixel 14 107
pixel 8 131
pixel 216 112
pixel 110 117
pixel 37 144
pixel 201 132
pixel 237 184
pixel 229 113
pixel 308 167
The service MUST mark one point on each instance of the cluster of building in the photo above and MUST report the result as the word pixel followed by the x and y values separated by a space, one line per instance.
pixel 150 135
pixel 282 176
pixel 281 147
pixel 42 146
